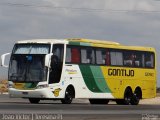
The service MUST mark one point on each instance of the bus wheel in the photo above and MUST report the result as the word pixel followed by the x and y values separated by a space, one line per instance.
pixel 69 95
pixel 127 98
pixel 98 101
pixel 34 100
pixel 136 97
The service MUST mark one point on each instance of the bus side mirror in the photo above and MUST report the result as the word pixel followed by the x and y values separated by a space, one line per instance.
pixel 3 57
pixel 48 59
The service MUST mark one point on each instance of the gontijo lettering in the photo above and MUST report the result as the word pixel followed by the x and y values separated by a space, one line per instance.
pixel 120 72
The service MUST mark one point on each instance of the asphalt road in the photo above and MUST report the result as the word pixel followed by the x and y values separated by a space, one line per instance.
pixel 21 109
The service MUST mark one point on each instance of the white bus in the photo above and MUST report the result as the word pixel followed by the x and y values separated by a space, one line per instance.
pixel 50 69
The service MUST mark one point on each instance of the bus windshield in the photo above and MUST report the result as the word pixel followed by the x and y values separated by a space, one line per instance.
pixel 27 63
pixel 31 49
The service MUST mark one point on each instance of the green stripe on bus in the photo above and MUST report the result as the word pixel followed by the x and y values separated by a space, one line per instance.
pixel 79 43
pixel 99 79
pixel 89 78
pixel 74 43
pixel 94 78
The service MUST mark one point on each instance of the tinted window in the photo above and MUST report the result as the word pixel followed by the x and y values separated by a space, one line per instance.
pixel 149 60
pixel 87 56
pixel 68 55
pixel 31 49
pixel 58 51
pixel 101 56
pixel 73 55
pixel 138 59
pixel 116 58
pixel 129 57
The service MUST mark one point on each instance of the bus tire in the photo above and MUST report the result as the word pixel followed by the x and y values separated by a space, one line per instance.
pixel 98 101
pixel 69 95
pixel 34 100
pixel 136 97
pixel 127 97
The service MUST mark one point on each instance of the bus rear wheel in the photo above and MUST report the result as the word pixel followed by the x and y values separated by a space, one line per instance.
pixel 69 95
pixel 98 101
pixel 34 100
pixel 127 98
pixel 136 97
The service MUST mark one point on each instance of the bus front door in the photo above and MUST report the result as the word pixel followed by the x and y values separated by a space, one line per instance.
pixel 56 63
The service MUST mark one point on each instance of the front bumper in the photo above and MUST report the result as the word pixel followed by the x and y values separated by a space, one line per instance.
pixel 37 93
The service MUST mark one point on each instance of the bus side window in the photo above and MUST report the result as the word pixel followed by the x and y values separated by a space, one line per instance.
pixel 68 55
pixel 138 59
pixel 107 57
pixel 128 59
pixel 90 56
pixel 116 58
pixel 100 57
pixel 149 60
pixel 75 55
pixel 87 56
pixel 72 55
pixel 83 56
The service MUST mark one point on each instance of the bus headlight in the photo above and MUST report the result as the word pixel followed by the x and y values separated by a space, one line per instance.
pixel 10 85
pixel 42 86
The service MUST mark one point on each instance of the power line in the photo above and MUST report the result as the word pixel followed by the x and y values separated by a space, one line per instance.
pixel 79 9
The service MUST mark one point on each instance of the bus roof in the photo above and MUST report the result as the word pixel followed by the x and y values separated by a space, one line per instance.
pixel 94 41
pixel 70 40
pixel 110 44
pixel 43 41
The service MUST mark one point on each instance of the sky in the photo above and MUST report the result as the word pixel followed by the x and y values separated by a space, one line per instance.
pixel 129 22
